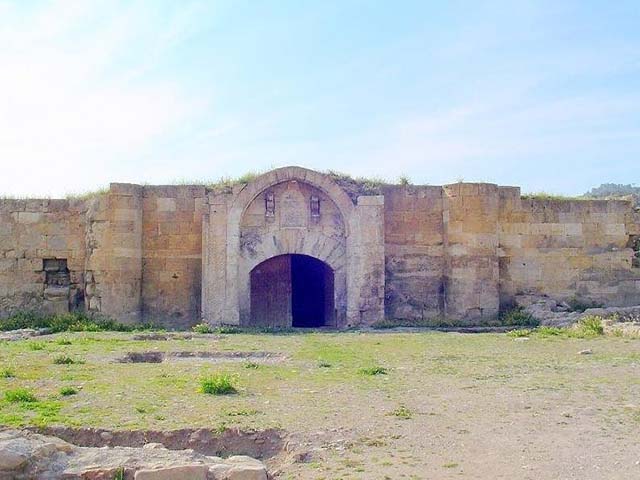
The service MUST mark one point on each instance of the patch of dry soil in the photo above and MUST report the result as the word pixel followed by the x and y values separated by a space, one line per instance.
pixel 159 357
pixel 257 444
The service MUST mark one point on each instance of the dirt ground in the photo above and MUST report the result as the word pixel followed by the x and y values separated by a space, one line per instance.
pixel 355 405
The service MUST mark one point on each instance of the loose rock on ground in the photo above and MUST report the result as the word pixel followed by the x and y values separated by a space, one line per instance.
pixel 27 455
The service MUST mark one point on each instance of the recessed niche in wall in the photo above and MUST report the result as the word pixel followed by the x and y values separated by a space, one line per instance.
pixel 57 273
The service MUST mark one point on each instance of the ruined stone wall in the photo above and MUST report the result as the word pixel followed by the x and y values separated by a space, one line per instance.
pixel 134 253
pixel 471 241
pixel 459 251
pixel 33 232
pixel 463 251
pixel 441 252
pixel 414 252
pixel 172 254
pixel 569 250
pixel 114 253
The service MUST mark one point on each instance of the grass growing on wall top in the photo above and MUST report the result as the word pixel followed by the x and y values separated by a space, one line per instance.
pixel 353 185
pixel 223 183
pixel 86 195
pixel 552 196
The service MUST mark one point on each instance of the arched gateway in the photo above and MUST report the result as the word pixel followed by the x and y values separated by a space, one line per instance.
pixel 293 290
pixel 292 249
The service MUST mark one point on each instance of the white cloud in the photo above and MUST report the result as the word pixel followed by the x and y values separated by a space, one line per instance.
pixel 66 110
pixel 89 96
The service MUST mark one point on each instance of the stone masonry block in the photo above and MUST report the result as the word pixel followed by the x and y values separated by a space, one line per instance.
pixel 615 229
pixel 166 204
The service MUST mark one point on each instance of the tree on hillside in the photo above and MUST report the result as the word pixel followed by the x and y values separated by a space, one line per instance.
pixel 616 190
pixel 613 190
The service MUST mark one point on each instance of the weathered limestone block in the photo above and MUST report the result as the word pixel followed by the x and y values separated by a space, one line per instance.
pixel 28 217
pixel 56 300
pixel 186 472
pixel 166 204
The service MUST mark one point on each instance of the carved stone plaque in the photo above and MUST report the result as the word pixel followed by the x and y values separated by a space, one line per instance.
pixel 269 205
pixel 314 206
pixel 293 208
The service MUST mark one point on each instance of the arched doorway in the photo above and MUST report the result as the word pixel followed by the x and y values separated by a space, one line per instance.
pixel 293 210
pixel 292 290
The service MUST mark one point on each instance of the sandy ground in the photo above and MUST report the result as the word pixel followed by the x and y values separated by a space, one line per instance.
pixel 449 406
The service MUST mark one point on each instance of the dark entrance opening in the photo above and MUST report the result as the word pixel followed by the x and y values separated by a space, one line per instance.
pixel 292 290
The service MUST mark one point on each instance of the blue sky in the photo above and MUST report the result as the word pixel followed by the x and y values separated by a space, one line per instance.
pixel 541 94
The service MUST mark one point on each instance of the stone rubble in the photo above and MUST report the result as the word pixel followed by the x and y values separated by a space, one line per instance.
pixel 23 334
pixel 26 455
pixel 558 314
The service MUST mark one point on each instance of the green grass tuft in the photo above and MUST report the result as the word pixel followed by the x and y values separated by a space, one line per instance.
pixel 66 360
pixel 590 326
pixel 518 317
pixel 202 328
pixel 551 196
pixel 7 373
pixel 402 412
pixel 68 322
pixel 252 365
pixel 119 474
pixel 87 194
pixel 377 370
pixel 234 329
pixel 404 180
pixel 228 329
pixel 437 322
pixel 219 384
pixel 242 412
pixel 66 391
pixel 522 332
pixel 20 395
pixel 546 331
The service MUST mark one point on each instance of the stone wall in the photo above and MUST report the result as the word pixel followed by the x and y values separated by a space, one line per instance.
pixel 461 251
pixel 114 263
pixel 133 254
pixel 441 252
pixel 569 250
pixel 33 232
pixel 414 252
pixel 172 254
pixel 471 241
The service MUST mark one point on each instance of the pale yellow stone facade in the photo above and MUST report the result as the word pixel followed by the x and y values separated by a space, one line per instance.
pixel 177 255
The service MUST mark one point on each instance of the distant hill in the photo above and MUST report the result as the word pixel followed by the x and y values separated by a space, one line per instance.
pixel 615 190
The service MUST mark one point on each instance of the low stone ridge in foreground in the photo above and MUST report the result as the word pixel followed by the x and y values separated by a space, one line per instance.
pixel 28 455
